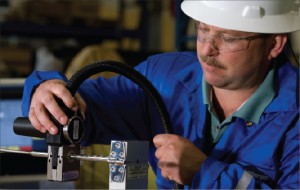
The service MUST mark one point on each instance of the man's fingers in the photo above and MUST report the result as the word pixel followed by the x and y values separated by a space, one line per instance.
pixel 58 89
pixel 165 144
pixel 167 170
pixel 53 108
pixel 43 117
pixel 167 165
pixel 35 122
pixel 64 94
pixel 161 139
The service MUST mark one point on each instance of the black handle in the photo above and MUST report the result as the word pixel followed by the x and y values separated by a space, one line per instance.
pixel 22 126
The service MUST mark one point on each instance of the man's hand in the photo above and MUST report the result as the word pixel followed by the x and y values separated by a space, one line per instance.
pixel 43 103
pixel 179 159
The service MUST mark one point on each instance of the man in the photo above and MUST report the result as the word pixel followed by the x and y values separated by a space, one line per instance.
pixel 233 106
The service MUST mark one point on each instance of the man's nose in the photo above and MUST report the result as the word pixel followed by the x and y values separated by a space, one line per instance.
pixel 206 48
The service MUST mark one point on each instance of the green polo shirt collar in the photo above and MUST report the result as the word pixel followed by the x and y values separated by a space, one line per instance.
pixel 258 101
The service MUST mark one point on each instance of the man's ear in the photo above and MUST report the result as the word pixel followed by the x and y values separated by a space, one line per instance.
pixel 279 42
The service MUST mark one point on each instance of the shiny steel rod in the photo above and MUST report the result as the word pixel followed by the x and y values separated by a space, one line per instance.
pixel 77 157
pixel 97 159
pixel 32 153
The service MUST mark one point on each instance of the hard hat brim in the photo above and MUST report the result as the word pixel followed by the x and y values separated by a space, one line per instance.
pixel 258 23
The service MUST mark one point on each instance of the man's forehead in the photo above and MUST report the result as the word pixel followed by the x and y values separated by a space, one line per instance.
pixel 221 30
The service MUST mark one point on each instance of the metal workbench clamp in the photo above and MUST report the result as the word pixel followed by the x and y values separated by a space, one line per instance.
pixel 128 163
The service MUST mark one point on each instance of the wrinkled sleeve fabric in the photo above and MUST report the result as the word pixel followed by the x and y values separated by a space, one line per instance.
pixel 216 174
pixel 290 161
pixel 36 78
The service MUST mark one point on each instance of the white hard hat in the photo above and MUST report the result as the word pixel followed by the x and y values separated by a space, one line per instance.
pixel 261 16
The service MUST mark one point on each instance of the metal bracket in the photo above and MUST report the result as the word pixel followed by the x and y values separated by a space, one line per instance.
pixel 131 170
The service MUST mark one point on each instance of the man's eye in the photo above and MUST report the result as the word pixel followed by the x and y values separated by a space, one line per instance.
pixel 229 39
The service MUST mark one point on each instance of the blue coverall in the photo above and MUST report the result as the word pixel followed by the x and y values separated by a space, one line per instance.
pixel 265 155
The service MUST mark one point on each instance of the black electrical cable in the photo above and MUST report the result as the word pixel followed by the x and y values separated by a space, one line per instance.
pixel 76 80
pixel 125 70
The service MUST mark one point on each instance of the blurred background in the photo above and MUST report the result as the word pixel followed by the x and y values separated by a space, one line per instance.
pixel 47 34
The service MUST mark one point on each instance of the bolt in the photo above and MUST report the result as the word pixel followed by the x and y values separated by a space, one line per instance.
pixel 116 178
pixel 121 154
pixel 121 170
pixel 118 145
pixel 113 154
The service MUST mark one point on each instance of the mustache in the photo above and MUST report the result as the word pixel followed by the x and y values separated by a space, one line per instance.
pixel 212 62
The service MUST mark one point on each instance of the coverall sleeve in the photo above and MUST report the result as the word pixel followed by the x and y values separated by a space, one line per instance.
pixel 215 174
pixel 36 78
